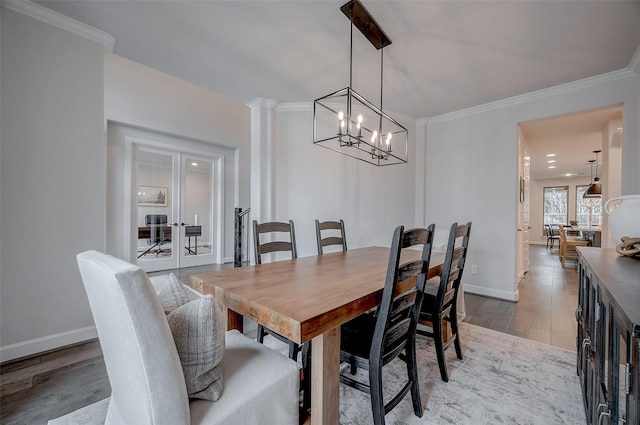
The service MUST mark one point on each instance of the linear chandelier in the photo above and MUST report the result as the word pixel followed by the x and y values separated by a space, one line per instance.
pixel 346 122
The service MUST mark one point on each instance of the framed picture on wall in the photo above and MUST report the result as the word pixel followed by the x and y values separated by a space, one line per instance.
pixel 521 189
pixel 152 196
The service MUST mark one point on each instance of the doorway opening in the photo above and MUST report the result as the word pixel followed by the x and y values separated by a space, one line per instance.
pixel 560 149
pixel 178 207
pixel 169 199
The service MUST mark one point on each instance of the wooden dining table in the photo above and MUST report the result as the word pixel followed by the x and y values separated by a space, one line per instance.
pixel 308 299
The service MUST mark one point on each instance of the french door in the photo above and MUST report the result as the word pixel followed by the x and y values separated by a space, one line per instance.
pixel 177 208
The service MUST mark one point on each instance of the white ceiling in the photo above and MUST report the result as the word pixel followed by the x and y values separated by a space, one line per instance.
pixel 572 139
pixel 445 56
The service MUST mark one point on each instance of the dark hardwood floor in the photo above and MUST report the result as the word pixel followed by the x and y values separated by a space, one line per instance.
pixel 49 385
pixel 547 305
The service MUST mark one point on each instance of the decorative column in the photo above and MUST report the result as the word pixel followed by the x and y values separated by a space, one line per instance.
pixel 263 134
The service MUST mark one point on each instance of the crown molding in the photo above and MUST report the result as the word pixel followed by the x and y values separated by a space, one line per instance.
pixel 41 13
pixel 536 95
pixel 422 121
pixel 255 102
pixel 634 64
pixel 295 107
pixel 262 102
pixel 270 103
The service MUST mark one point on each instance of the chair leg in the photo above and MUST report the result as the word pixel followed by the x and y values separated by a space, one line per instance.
pixel 375 388
pixel 412 371
pixel 306 383
pixel 294 349
pixel 453 320
pixel 439 346
pixel 260 334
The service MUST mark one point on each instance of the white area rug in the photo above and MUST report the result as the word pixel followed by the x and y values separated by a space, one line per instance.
pixel 502 380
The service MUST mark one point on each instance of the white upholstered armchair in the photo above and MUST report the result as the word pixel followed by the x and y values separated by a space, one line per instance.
pixel 145 370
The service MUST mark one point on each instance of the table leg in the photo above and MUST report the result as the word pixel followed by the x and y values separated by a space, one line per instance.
pixel 234 320
pixel 325 378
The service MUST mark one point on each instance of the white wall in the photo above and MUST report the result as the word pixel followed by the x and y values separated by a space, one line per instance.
pixel 151 102
pixel 611 179
pixel 312 182
pixel 471 168
pixel 53 178
pixel 57 89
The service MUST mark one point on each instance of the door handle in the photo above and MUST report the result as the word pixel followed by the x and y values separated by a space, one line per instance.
pixel 519 230
pixel 174 224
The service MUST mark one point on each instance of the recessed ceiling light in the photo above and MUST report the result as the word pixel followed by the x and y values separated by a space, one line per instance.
pixel 570 174
pixel 549 155
pixel 551 161
pixel 551 166
pixel 195 164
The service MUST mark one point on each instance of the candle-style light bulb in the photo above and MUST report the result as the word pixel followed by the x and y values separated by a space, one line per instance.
pixel 389 142
pixel 360 118
pixel 374 137
pixel 340 122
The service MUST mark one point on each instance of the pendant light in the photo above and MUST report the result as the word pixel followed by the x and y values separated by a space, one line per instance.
pixel 595 189
pixel 345 122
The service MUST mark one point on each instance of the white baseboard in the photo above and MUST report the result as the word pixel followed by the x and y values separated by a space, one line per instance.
pixel 39 345
pixel 539 243
pixel 493 293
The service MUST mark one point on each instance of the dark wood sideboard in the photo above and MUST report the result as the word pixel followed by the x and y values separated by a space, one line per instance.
pixel 608 342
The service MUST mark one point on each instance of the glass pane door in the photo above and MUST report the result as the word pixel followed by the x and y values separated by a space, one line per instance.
pixel 198 218
pixel 178 209
pixel 156 209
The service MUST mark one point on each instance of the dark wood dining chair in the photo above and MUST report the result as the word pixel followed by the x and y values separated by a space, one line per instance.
pixel 332 227
pixel 273 227
pixel 372 340
pixel 551 236
pixel 261 248
pixel 440 302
